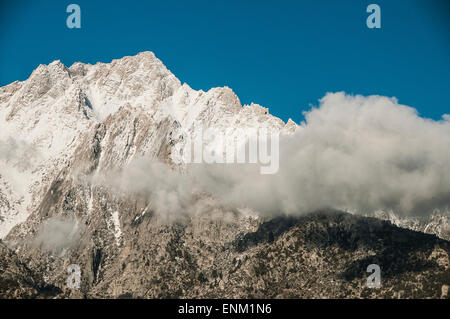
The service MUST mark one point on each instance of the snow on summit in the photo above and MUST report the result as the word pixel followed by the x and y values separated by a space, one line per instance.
pixel 50 111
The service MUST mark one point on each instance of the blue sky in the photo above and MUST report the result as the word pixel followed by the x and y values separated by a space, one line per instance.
pixel 281 54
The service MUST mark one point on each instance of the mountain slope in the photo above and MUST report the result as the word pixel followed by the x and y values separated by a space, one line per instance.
pixel 68 131
pixel 18 281
pixel 50 112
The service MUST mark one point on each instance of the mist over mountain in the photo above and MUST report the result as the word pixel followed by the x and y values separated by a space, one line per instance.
pixel 94 171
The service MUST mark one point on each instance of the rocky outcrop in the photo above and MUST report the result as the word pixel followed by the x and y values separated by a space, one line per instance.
pixel 18 281
pixel 229 255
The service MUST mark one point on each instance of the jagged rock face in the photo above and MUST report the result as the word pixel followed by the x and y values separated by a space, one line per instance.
pixel 18 281
pixel 88 120
pixel 138 100
pixel 323 255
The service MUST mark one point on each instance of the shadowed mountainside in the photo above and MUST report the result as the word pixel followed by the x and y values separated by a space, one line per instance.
pixel 320 255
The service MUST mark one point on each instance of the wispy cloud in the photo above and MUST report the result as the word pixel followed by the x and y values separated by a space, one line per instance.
pixel 18 153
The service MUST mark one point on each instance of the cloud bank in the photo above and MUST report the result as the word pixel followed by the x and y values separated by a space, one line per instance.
pixel 356 153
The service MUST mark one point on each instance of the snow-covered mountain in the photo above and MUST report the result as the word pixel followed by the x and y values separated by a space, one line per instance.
pixel 140 101
pixel 64 129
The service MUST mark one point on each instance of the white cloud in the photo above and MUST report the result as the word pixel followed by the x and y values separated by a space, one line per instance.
pixel 18 153
pixel 353 152
pixel 57 233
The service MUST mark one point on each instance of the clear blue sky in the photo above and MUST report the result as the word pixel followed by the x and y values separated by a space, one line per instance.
pixel 282 54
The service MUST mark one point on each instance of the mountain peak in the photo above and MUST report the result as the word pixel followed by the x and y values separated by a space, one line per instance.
pixel 145 60
pixel 146 55
pixel 56 63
